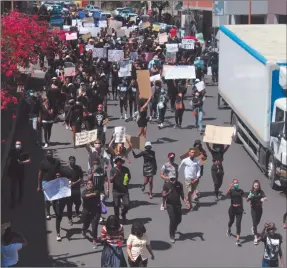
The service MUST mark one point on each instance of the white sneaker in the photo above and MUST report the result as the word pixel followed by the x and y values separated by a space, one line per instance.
pixel 162 207
pixel 126 117
pixel 46 145
pixel 122 117
pixel 252 230
pixel 161 125
pixel 255 241
pixel 48 217
pixel 150 118
pixel 59 238
pixel 67 127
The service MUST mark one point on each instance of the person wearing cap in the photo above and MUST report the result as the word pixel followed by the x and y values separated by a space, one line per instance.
pixel 272 246
pixel 168 170
pixel 154 61
pixel 149 166
pixel 74 173
pixel 120 177
pixel 49 167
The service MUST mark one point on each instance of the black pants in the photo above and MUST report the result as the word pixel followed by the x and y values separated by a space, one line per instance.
pixel 47 131
pixel 178 117
pixel 133 106
pixel 89 217
pixel 175 216
pixel 74 199
pixel 117 197
pixel 217 174
pixel 115 85
pixel 235 212
pixel 138 263
pixel 17 181
pixel 161 114
pixel 214 70
pixel 102 136
pixel 172 100
pixel 59 206
pixel 123 104
pixel 256 214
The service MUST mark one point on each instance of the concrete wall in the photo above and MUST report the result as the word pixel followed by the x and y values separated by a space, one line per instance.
pixel 235 7
pixel 276 7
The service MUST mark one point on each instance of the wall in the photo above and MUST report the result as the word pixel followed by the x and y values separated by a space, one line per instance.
pixel 276 7
pixel 234 7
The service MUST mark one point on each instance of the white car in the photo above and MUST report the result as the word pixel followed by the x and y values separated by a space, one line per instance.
pixel 118 11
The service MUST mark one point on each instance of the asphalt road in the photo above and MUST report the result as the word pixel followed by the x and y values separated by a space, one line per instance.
pixel 202 241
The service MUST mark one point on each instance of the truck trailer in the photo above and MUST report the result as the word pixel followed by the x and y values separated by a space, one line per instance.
pixel 252 83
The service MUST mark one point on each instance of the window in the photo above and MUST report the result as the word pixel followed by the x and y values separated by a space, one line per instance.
pixel 279 116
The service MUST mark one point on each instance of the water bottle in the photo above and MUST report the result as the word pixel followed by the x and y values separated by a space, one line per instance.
pixel 126 179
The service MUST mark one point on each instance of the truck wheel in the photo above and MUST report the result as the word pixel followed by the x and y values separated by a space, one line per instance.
pixel 234 122
pixel 271 172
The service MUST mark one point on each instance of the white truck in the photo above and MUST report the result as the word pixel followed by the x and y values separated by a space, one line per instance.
pixel 252 82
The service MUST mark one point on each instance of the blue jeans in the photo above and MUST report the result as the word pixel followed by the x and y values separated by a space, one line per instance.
pixel 199 119
pixel 270 263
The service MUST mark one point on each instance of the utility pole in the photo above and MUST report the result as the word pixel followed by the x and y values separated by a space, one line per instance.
pixel 249 11
pixel 12 5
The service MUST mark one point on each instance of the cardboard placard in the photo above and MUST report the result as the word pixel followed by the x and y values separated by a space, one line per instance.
pixel 170 57
pixel 156 27
pixel 136 142
pixel 103 24
pixel 86 137
pixel 143 79
pixel 187 43
pixel 70 71
pixel 83 30
pixel 155 78
pixel 134 19
pixel 146 25
pixel 71 36
pixel 180 72
pixel 115 55
pixel 171 47
pixel 86 36
pixel 120 134
pixel 162 38
pixel 200 86
pixel 218 135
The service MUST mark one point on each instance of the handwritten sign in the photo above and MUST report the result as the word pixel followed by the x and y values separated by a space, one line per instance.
pixel 57 189
pixel 66 28
pixel 170 57
pixel 156 27
pixel 162 38
pixel 180 72
pixel 86 137
pixel 171 47
pixel 70 71
pixel 99 52
pixel 120 134
pixel 200 86
pixel 71 36
pixel 115 24
pixel 89 24
pixel 187 44
pixel 125 68
pixel 115 55
pixel 218 135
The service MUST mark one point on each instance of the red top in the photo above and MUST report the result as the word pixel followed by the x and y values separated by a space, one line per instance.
pixel 172 32
pixel 81 49
pixel 113 239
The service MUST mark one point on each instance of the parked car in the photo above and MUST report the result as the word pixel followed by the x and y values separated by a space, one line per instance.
pixel 105 15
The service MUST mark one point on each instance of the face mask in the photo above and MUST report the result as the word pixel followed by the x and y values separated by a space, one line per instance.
pixel 236 186
pixel 171 159
pixel 18 147
pixel 72 163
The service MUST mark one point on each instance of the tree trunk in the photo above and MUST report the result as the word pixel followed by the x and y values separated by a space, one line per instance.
pixel 160 14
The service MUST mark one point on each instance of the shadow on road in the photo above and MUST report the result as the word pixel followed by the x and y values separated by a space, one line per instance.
pixel 28 217
pixel 190 236
pixel 159 245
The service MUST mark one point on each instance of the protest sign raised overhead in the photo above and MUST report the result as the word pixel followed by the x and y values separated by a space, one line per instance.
pixel 86 36
pixel 120 134
pixel 162 38
pixel 71 36
pixel 218 135
pixel 125 68
pixel 171 47
pixel 170 57
pixel 99 52
pixel 143 79
pixel 103 24
pixel 180 72
pixel 57 189
pixel 70 71
pixel 86 137
pixel 136 142
pixel 187 44
pixel 115 55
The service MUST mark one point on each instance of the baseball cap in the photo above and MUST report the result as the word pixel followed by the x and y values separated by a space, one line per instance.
pixel 119 158
pixel 148 143
pixel 171 155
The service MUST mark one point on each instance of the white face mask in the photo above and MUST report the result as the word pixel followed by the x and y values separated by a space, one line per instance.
pixel 97 146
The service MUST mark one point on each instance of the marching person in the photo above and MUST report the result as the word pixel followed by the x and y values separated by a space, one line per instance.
pixel 91 211
pixel 256 197
pixel 173 192
pixel 120 177
pixel 236 209
pixel 133 92
pixel 142 117
pixel 123 96
pixel 192 173
pixel 149 166
pixel 168 170
pixel 47 117
pixel 100 121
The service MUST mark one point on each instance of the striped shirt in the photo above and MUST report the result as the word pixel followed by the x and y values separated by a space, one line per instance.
pixel 115 239
pixel 99 178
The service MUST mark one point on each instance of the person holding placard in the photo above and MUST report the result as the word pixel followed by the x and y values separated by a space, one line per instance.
pixel 119 149
pixel 133 93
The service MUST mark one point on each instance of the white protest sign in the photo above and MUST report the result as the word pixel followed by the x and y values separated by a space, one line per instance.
pixel 209 70
pixel 115 55
pixel 103 24
pixel 66 28
pixel 125 68
pixel 83 30
pixel 162 38
pixel 200 86
pixel 171 47
pixel 86 137
pixel 115 24
pixel 99 52
pixel 71 36
pixel 70 71
pixel 155 78
pixel 94 31
pixel 180 72
pixel 89 47
pixel 218 135
pixel 57 189
pixel 187 43
pixel 89 24
pixel 121 33
pixel 165 69
pixel 120 134
pixel 76 22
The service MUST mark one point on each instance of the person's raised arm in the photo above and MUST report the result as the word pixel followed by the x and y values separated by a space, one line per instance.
pixel 110 147
pixel 226 148
pixel 209 148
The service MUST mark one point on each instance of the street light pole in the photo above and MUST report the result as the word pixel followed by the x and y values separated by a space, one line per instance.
pixel 12 5
pixel 249 11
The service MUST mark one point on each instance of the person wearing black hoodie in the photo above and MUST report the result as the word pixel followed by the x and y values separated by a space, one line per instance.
pixel 34 113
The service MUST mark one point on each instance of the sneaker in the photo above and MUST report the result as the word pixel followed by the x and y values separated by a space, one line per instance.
pixel 238 243
pixel 216 199
pixel 95 245
pixel 161 125
pixel 252 230
pixel 121 117
pixel 46 145
pixel 67 127
pixel 126 117
pixel 70 222
pixel 101 220
pixel 255 241
pixel 48 217
pixel 78 215
pixel 59 238
pixel 150 118
pixel 176 126
pixel 162 207
pixel 228 233
pixel 172 240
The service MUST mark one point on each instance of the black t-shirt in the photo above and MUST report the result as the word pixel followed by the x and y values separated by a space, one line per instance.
pixel 256 197
pixel 50 169
pixel 217 156
pixel 93 203
pixel 15 168
pixel 272 245
pixel 236 196
pixel 35 106
pixel 176 193
pixel 118 184
pixel 99 118
pixel 73 174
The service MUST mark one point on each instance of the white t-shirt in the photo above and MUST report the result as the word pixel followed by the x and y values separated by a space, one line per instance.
pixel 10 254
pixel 138 246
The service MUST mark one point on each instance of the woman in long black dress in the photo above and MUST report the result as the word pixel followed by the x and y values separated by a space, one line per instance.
pixel 142 116
pixel 149 166
pixel 76 120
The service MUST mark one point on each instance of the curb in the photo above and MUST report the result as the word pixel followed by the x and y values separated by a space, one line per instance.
pixel 11 137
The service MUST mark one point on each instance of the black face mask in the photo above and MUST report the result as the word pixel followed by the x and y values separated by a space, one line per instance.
pixel 172 180
pixel 49 158
pixel 72 163
pixel 171 159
